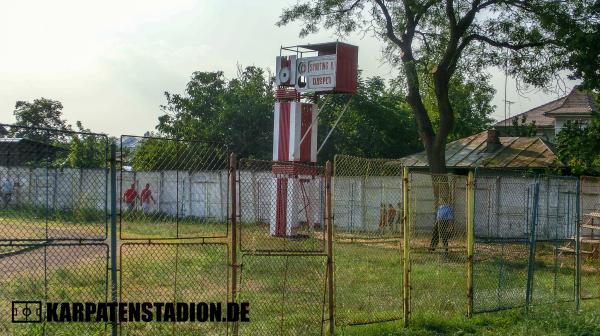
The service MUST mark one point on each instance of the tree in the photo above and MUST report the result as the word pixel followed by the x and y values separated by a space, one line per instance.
pixel 579 147
pixel 87 150
pixel 522 128
pixel 432 39
pixel 370 126
pixel 42 113
pixel 237 113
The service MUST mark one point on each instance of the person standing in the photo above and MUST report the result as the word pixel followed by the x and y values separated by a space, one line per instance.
pixel 443 226
pixel 7 190
pixel 146 196
pixel 129 197
pixel 391 215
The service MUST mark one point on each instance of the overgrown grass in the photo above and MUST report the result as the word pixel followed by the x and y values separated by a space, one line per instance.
pixel 555 319
pixel 287 292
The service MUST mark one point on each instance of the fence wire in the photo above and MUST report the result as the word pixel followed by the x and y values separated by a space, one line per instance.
pixel 502 221
pixel 590 237
pixel 281 206
pixel 52 273
pixel 286 294
pixel 525 233
pixel 172 189
pixel 174 272
pixel 367 196
pixel 54 185
pixel 438 273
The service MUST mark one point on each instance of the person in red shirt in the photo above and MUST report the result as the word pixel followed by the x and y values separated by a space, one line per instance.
pixel 129 197
pixel 146 196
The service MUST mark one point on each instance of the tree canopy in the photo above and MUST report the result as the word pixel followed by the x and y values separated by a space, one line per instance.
pixel 578 146
pixel 377 122
pixel 42 121
pixel 432 40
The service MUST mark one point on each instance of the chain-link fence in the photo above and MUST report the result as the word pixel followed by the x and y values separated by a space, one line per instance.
pixel 281 206
pixel 471 245
pixel 590 237
pixel 286 294
pixel 54 185
pixel 367 196
pixel 172 189
pixel 282 237
pixel 53 226
pixel 174 272
pixel 438 272
pixel 525 241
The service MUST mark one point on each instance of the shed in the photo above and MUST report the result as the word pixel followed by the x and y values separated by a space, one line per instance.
pixel 488 151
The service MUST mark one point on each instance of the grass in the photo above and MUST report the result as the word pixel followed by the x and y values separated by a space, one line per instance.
pixel 287 292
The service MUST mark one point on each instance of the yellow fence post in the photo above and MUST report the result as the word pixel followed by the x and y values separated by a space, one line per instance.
pixel 470 240
pixel 405 248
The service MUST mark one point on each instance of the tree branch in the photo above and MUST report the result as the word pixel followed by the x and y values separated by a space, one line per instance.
pixel 343 10
pixel 389 25
pixel 506 44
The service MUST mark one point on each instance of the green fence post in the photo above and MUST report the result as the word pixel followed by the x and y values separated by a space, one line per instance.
pixel 532 243
pixel 113 229
pixel 470 240
pixel 234 231
pixel 577 247
pixel 405 249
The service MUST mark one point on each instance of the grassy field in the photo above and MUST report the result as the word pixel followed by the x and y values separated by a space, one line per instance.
pixel 287 293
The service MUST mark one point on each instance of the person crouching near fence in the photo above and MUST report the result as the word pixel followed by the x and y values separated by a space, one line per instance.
pixel 129 197
pixel 146 196
pixel 442 228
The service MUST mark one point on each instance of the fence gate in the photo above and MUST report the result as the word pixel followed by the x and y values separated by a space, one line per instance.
pixel 283 246
pixel 437 245
pixel 525 241
pixel 173 243
pixel 367 195
pixel 53 226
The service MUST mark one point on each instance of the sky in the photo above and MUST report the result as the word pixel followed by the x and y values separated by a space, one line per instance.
pixel 109 62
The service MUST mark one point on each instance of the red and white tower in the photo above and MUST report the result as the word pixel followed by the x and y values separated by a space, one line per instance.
pixel 328 68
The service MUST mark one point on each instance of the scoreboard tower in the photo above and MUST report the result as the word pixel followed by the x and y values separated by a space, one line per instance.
pixel 301 76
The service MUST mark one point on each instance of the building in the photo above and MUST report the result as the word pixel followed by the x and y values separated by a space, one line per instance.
pixel 487 151
pixel 550 118
pixel 21 152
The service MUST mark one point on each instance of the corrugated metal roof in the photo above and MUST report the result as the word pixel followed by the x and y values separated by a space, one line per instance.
pixel 514 153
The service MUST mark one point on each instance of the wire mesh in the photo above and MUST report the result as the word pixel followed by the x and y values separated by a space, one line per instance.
pixel 590 237
pixel 525 233
pixel 174 272
pixel 367 195
pixel 286 293
pixel 172 189
pixel 52 273
pixel 502 222
pixel 438 272
pixel 53 185
pixel 556 229
pixel 281 206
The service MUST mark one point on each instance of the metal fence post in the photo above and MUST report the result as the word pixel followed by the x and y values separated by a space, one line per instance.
pixel 113 228
pixel 532 243
pixel 234 231
pixel 577 246
pixel 330 273
pixel 470 240
pixel 405 249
